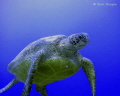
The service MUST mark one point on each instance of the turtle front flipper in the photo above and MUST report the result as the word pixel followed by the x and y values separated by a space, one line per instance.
pixel 38 57
pixel 88 68
pixel 41 89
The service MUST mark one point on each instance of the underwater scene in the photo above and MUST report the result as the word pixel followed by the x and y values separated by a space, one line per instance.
pixel 90 26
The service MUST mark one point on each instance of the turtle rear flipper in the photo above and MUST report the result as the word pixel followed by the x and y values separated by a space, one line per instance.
pixel 36 59
pixel 41 89
pixel 11 84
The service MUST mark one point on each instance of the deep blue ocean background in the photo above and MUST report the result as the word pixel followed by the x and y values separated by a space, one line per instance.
pixel 24 21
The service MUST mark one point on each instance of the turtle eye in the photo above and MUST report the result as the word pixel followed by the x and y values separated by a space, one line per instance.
pixel 79 37
pixel 82 37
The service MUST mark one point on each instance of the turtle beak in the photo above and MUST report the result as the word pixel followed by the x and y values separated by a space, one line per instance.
pixel 85 38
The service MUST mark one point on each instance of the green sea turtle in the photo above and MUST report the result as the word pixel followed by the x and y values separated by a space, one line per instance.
pixel 48 60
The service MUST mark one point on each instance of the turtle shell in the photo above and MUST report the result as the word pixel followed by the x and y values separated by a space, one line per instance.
pixel 49 70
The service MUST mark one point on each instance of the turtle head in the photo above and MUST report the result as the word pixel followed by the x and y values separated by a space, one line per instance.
pixel 74 42
pixel 78 41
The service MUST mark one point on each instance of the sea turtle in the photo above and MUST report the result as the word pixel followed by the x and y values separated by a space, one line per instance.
pixel 50 59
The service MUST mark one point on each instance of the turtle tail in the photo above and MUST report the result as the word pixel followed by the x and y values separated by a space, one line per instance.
pixel 13 82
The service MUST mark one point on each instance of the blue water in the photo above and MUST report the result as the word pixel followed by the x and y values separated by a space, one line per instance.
pixel 24 21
